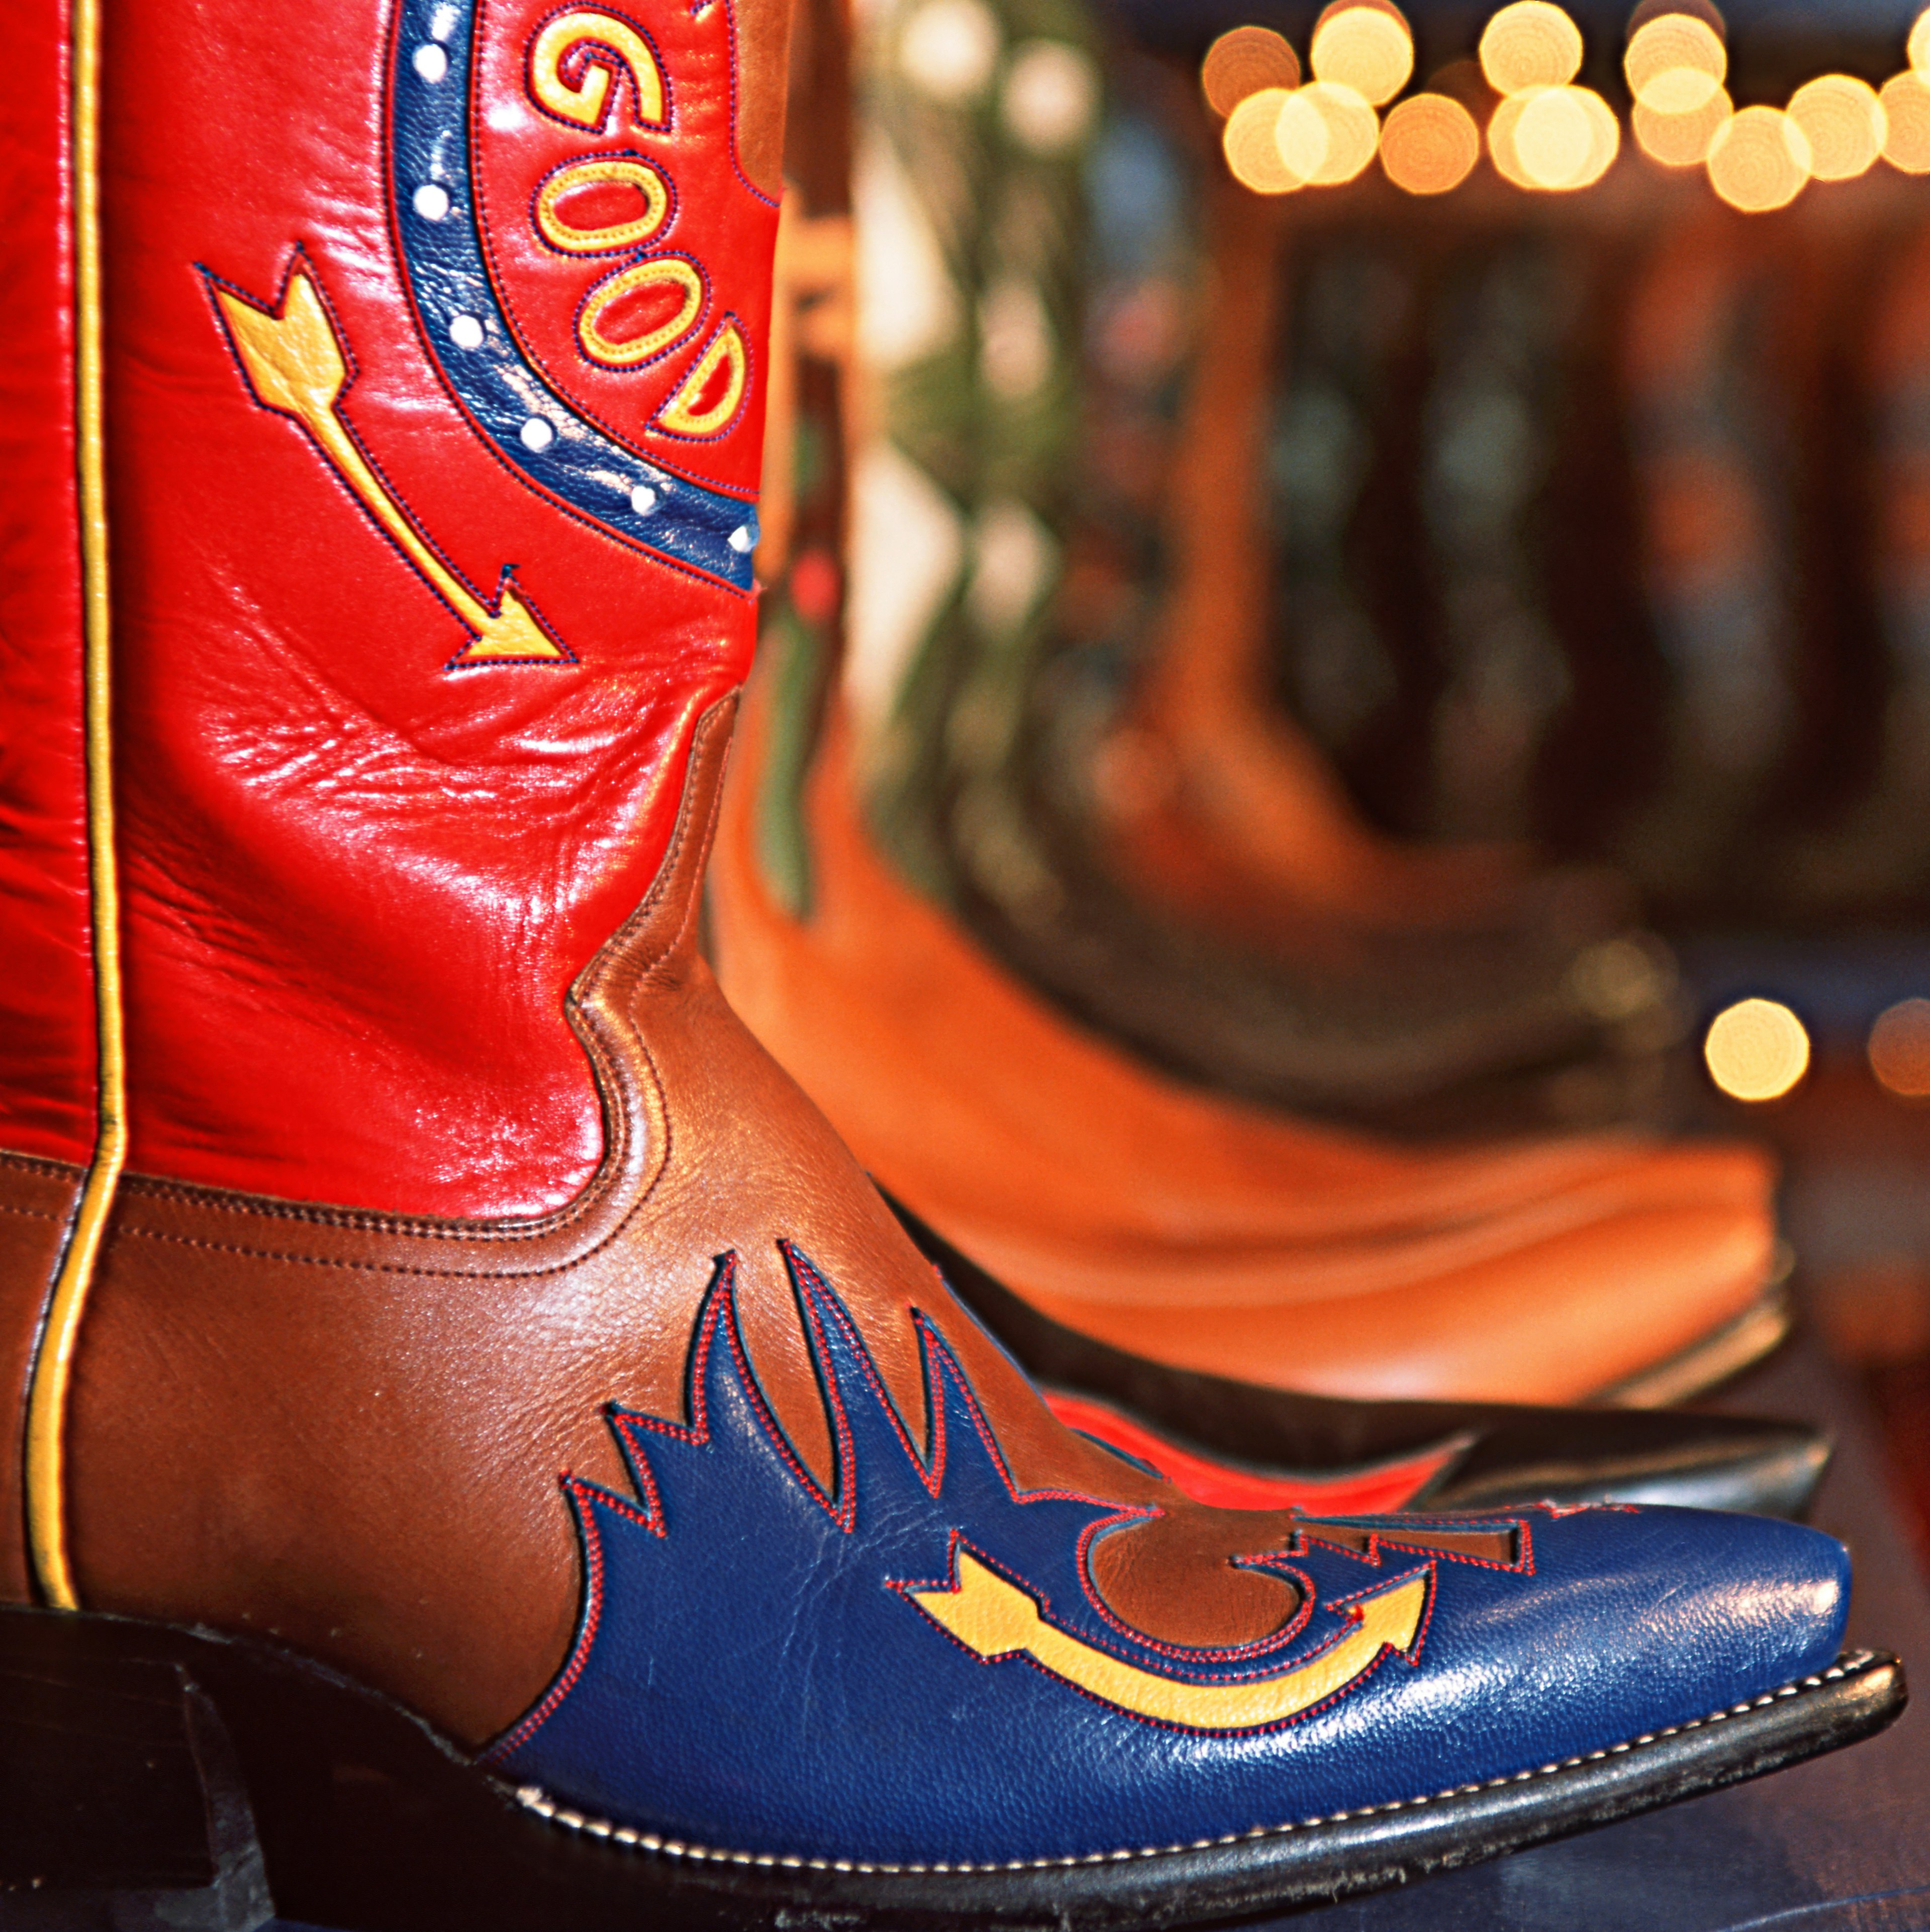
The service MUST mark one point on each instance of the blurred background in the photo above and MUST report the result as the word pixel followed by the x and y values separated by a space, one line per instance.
pixel 1579 364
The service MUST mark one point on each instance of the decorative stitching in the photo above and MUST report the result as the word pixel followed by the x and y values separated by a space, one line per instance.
pixel 532 1798
pixel 730 329
pixel 816 1301
pixel 580 252
pixel 579 1493
pixel 613 98
pixel 432 355
pixel 301 262
pixel 950 1582
pixel 604 290
pixel 54 1170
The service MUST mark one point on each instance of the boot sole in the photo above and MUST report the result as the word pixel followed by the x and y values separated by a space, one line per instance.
pixel 369 1822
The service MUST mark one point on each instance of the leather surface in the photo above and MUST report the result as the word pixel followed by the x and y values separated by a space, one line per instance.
pixel 1238 1444
pixel 1211 1235
pixel 391 1505
pixel 358 882
pixel 812 1671
pixel 46 987
pixel 1426 1035
pixel 37 1198
pixel 343 1429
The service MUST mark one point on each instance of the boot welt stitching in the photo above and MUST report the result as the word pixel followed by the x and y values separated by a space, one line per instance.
pixel 532 1798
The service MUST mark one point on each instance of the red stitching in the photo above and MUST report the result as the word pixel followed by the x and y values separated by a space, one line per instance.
pixel 581 1495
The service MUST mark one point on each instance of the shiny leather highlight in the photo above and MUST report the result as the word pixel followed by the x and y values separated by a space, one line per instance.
pixel 358 883
pixel 889 1663
pixel 449 1370
pixel 47 1051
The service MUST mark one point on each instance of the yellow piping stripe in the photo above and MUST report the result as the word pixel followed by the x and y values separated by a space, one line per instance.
pixel 53 1369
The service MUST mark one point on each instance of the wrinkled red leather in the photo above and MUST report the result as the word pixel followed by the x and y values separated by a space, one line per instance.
pixel 46 989
pixel 356 884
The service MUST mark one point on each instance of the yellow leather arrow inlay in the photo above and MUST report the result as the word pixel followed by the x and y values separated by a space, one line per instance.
pixel 296 365
pixel 996 1618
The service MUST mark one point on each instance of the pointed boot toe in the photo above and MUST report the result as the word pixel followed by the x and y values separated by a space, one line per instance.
pixel 1242 1444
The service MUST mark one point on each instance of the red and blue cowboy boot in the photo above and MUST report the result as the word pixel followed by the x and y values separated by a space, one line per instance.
pixel 445 1340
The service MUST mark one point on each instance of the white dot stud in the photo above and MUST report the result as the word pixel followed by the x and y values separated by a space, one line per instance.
pixel 743 539
pixel 642 499
pixel 431 62
pixel 431 201
pixel 466 331
pixel 537 433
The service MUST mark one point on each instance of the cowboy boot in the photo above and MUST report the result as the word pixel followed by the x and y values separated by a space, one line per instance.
pixel 442 1332
pixel 1242 1444
pixel 1183 1226
pixel 1001 565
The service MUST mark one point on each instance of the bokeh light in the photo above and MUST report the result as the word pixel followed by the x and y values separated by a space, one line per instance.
pixel 1554 139
pixel 1899 1049
pixel 1906 114
pixel 1250 146
pixel 1244 61
pixel 1919 44
pixel 1327 134
pixel 1530 44
pixel 949 49
pixel 1759 160
pixel 1675 63
pixel 1429 144
pixel 1756 1050
pixel 1682 140
pixel 1367 48
pixel 1843 121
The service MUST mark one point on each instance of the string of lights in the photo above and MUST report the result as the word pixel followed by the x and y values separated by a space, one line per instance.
pixel 1543 132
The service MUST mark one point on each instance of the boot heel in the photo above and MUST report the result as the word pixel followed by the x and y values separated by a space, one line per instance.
pixel 122 1805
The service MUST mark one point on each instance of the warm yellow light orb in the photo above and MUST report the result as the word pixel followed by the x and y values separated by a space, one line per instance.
pixel 1918 45
pixel 1554 139
pixel 1429 144
pixel 1844 122
pixel 1327 134
pixel 1675 63
pixel 1682 140
pixel 1368 49
pixel 1243 60
pixel 1756 1050
pixel 1759 160
pixel 1530 44
pixel 1899 1049
pixel 1906 114
pixel 1252 149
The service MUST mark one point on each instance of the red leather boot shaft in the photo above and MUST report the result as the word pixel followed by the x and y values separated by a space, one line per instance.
pixel 46 997
pixel 434 402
